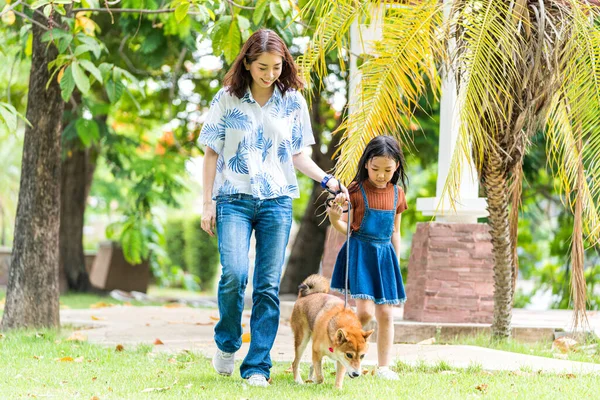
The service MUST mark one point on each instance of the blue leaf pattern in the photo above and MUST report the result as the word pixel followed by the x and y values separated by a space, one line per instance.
pixel 291 104
pixel 212 133
pixel 268 143
pixel 296 136
pixel 235 119
pixel 247 98
pixel 238 163
pixel 227 188
pixel 217 97
pixel 220 163
pixel 261 183
pixel 283 151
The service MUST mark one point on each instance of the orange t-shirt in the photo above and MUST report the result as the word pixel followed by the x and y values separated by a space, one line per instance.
pixel 379 199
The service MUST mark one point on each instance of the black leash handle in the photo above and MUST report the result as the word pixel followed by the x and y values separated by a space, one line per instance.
pixel 348 230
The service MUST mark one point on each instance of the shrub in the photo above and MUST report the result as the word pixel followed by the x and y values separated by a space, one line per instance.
pixel 201 252
pixel 175 243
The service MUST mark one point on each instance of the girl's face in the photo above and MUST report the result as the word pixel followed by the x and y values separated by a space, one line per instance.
pixel 381 170
pixel 265 70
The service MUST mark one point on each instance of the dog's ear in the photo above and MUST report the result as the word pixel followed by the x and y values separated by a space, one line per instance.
pixel 368 333
pixel 341 336
pixel 302 286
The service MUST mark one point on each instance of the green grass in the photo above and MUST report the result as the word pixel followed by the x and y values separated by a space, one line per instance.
pixel 542 349
pixel 31 367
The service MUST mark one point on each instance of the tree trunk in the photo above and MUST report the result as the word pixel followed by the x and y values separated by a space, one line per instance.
pixel 307 250
pixel 32 292
pixel 495 182
pixel 77 169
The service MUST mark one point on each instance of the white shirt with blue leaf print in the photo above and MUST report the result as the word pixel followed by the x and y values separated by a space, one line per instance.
pixel 255 144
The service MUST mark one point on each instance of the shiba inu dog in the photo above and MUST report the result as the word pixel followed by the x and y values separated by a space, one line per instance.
pixel 335 331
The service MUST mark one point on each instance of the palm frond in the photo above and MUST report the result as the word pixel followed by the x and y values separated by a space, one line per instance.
pixel 488 66
pixel 398 74
pixel 333 21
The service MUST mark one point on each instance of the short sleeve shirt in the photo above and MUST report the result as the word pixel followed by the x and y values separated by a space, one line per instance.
pixel 255 144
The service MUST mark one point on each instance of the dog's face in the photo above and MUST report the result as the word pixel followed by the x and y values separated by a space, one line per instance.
pixel 351 349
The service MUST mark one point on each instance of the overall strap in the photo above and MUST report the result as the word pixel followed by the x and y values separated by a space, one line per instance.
pixel 362 189
pixel 395 197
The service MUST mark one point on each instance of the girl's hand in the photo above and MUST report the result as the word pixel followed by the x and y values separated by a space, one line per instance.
pixel 209 215
pixel 335 212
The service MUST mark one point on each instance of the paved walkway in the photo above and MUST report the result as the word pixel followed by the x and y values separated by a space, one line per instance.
pixel 192 329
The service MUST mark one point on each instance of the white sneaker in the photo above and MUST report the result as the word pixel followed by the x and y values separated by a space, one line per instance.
pixel 386 373
pixel 258 380
pixel 223 362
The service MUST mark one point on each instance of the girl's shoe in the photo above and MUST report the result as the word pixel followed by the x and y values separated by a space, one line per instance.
pixel 386 373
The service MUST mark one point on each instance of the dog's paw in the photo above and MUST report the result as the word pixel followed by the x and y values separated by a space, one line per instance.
pixel 299 381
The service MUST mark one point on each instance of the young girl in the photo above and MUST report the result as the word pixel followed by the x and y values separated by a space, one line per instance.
pixel 374 278
pixel 255 133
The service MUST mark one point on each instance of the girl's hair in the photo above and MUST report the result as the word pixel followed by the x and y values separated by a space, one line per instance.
pixel 381 146
pixel 238 78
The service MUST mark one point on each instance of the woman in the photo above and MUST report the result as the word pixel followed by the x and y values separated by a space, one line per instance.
pixel 255 131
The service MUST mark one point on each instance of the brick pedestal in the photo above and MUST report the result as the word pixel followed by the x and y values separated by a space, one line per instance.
pixel 450 274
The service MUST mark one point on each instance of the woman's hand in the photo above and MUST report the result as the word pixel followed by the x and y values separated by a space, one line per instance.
pixel 209 215
pixel 336 186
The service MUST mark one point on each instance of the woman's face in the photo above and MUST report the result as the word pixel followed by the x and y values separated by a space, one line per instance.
pixel 265 70
pixel 381 170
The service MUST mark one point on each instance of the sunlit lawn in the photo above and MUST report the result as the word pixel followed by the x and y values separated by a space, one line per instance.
pixel 46 365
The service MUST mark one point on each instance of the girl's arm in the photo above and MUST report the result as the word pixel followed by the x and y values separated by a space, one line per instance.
pixel 209 170
pixel 338 219
pixel 396 235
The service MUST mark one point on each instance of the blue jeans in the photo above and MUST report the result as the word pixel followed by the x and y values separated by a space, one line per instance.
pixel 237 216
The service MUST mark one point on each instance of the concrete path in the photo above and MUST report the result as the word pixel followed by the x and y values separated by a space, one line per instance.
pixel 192 329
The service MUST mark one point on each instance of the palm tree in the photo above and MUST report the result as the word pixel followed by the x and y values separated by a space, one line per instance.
pixel 520 66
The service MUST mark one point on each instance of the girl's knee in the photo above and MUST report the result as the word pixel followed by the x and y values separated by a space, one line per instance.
pixel 384 312
pixel 365 317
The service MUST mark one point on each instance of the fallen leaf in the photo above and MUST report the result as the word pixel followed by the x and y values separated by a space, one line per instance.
pixel 79 359
pixel 98 318
pixel 246 337
pixel 214 318
pixel 77 337
pixel 570 376
pixel 147 324
pixel 101 304
pixel 172 361
pixel 365 371
pixel 157 341
pixel 95 398
pixel 482 388
pixel 119 347
pixel 207 323
pixel 427 341
pixel 564 344
pixel 38 357
pixel 65 359
pixel 174 305
pixel 94 378
pixel 127 304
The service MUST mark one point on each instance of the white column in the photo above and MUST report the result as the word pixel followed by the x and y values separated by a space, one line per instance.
pixel 468 206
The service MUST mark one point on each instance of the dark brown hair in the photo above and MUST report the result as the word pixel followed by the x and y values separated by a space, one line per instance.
pixel 238 79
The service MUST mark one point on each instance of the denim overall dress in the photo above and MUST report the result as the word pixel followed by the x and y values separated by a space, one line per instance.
pixel 373 270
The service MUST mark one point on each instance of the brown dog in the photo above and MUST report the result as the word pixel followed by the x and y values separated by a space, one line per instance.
pixel 335 331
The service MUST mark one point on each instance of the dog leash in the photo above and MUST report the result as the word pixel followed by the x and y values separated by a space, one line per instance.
pixel 328 202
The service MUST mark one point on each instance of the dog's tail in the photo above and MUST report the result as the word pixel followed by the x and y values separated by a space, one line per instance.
pixel 313 284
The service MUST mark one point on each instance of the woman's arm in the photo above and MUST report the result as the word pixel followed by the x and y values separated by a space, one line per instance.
pixel 209 170
pixel 396 235
pixel 306 165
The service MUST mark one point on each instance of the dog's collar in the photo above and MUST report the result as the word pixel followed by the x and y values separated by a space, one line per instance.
pixel 331 349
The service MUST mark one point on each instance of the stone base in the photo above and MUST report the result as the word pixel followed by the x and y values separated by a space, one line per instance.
pixel 450 274
pixel 111 271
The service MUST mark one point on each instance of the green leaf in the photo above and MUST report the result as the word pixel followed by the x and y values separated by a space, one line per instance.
pixel 114 91
pixel 81 80
pixel 88 131
pixel 243 22
pixel 259 11
pixel 232 44
pixel 94 45
pixel 92 69
pixel 39 3
pixel 67 84
pixel 63 43
pixel 62 1
pixel 48 10
pixel 203 13
pixel 285 5
pixel 60 10
pixel 276 11
pixel 181 11
pixel 9 115
pixel 56 34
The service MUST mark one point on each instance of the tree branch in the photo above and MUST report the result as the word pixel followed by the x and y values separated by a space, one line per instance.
pixel 24 16
pixel 240 6
pixel 12 6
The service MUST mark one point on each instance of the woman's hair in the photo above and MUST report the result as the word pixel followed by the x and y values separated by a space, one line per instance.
pixel 381 146
pixel 238 78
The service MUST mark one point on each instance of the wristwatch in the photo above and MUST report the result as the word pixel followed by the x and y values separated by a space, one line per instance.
pixel 325 180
